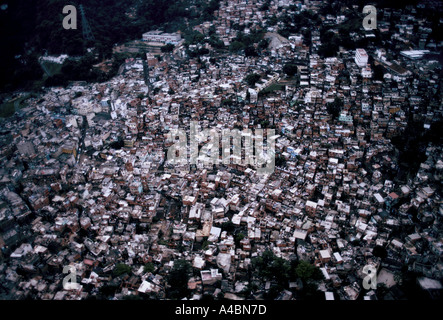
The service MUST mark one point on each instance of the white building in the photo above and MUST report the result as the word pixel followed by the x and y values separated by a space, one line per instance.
pixel 159 36
pixel 414 54
pixel 366 72
pixel 361 57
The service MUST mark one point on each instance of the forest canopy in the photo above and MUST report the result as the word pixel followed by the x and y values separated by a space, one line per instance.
pixel 31 28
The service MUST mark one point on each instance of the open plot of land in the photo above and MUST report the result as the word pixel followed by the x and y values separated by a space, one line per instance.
pixel 386 277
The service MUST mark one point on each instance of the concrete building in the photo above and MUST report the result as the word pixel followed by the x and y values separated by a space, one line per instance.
pixel 361 57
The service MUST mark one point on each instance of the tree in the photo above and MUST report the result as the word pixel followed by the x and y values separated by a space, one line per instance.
pixel 149 267
pixel 381 290
pixel 380 252
pixel 398 277
pixel 248 96
pixel 290 69
pixel 120 269
pixel 328 49
pixel 273 292
pixel 236 46
pixel 78 70
pixel 56 80
pixel 271 267
pixel 330 42
pixel 228 226
pixel 178 279
pixel 334 107
pixel 198 52
pixel 215 42
pixel 250 51
pixel 271 21
pixel 205 244
pixel 212 6
pixel 250 288
pixel 108 290
pixel 311 291
pixel 167 48
pixel 280 161
pixel 265 5
pixel 194 38
pixel 54 247
pixel 238 237
pixel 252 79
pixel 7 110
pixel 263 44
pixel 226 102
pixel 307 271
pixel 378 72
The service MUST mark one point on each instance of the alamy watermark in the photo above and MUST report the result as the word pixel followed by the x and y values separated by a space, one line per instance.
pixel 247 148
pixel 70 21
pixel 370 21
pixel 370 281
pixel 70 280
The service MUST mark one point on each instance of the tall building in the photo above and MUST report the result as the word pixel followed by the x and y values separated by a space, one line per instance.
pixel 361 57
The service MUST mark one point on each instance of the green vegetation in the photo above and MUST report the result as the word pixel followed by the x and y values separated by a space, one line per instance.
pixel 290 69
pixel 178 279
pixel 30 28
pixel 309 275
pixel 54 247
pixel 149 267
pixel 380 252
pixel 271 267
pixel 296 22
pixel 227 102
pixel 335 107
pixel 238 237
pixel 250 51
pixel 194 37
pixel 212 6
pixel 228 226
pixel 215 42
pixel 412 143
pixel 236 46
pixel 252 79
pixel 205 244
pixel 108 290
pixel 248 43
pixel 274 291
pixel 168 48
pixel 7 109
pixel 249 289
pixel 51 67
pixel 330 42
pixel 273 87
pixel 378 72
pixel 82 70
pixel 198 52
pixel 306 271
pixel 120 269
pixel 349 26
pixel 265 5
pixel 381 290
